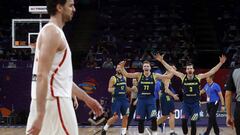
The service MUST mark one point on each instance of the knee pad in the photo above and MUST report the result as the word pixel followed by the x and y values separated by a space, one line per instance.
pixel 154 124
pixel 141 126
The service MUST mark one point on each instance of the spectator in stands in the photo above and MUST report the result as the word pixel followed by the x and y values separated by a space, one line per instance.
pixel 233 63
pixel 90 54
pixel 108 63
pixel 231 48
pixel 146 56
pixel 91 63
pixel 136 63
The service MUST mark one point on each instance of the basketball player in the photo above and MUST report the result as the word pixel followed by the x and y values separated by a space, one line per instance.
pixel 191 92
pixel 156 94
pixel 214 94
pixel 167 98
pixel 133 101
pixel 233 86
pixel 146 105
pixel 120 103
pixel 51 110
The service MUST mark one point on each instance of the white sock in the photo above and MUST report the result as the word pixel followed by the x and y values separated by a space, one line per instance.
pixel 172 131
pixel 154 133
pixel 124 131
pixel 140 133
pixel 106 127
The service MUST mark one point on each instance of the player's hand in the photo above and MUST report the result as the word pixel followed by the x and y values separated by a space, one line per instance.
pixel 175 97
pixel 159 57
pixel 94 106
pixel 36 126
pixel 122 64
pixel 75 103
pixel 222 59
pixel 229 121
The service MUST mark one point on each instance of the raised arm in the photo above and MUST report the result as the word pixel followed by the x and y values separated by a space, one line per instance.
pixel 169 74
pixel 162 77
pixel 159 58
pixel 126 74
pixel 166 82
pixel 222 60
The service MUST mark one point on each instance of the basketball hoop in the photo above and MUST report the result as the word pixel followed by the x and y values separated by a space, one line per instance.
pixel 25 31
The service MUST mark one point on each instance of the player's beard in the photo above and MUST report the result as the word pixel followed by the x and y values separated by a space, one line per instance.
pixel 119 73
pixel 190 74
pixel 67 18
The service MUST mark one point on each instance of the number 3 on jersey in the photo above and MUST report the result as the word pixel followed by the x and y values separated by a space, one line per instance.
pixel 190 89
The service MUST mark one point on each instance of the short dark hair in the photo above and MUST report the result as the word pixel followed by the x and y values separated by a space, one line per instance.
pixel 52 5
pixel 189 64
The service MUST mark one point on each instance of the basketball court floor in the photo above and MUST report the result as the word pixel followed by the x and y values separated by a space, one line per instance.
pixel 115 131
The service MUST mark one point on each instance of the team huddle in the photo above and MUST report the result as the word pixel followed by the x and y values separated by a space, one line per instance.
pixel 146 108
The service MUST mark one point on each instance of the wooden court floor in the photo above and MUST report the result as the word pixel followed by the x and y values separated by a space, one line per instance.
pixel 114 131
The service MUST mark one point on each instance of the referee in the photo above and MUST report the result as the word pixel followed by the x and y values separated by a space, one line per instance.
pixel 233 86
pixel 214 94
